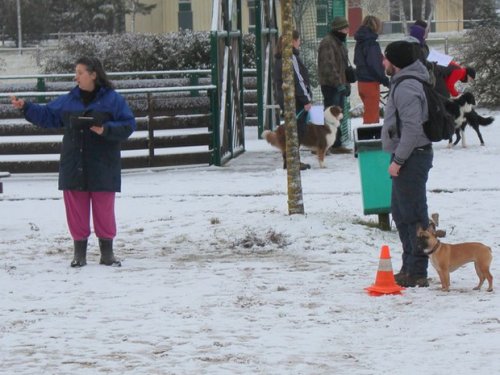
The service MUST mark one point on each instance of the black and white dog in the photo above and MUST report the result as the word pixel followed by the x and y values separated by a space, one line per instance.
pixel 463 112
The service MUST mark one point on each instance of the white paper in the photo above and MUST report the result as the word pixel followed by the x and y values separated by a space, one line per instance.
pixel 316 115
pixel 439 58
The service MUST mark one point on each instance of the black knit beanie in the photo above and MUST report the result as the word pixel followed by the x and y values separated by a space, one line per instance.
pixel 400 53
pixel 471 72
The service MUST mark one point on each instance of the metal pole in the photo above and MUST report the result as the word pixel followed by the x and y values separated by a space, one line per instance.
pixel 19 29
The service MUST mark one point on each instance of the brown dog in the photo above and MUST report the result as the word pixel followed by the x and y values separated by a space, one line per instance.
pixel 446 258
pixel 317 137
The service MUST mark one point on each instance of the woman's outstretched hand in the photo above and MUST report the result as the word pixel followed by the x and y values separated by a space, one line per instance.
pixel 17 103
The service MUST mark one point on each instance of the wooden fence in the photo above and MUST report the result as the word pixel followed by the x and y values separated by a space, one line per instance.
pixel 174 124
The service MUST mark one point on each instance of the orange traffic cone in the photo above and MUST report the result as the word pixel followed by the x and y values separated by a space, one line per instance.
pixel 384 282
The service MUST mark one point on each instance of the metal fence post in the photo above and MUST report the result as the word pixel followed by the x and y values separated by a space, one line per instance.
pixel 40 86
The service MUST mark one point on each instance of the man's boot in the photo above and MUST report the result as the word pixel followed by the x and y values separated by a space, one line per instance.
pixel 80 257
pixel 107 256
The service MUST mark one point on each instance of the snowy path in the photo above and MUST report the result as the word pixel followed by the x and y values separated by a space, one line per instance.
pixel 218 279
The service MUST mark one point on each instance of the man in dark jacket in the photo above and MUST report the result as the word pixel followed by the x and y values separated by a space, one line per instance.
pixel 332 63
pixel 403 136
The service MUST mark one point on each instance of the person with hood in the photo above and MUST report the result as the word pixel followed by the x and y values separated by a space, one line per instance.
pixel 95 119
pixel 438 74
pixel 332 63
pixel 462 74
pixel 419 32
pixel 404 138
pixel 369 68
pixel 303 92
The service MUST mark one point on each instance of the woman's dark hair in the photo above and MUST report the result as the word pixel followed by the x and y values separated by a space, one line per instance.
pixel 279 47
pixel 373 23
pixel 93 64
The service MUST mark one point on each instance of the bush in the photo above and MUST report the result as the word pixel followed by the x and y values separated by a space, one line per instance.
pixel 141 52
pixel 480 49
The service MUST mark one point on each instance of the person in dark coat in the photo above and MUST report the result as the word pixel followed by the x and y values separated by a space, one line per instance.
pixel 333 60
pixel 437 74
pixel 369 68
pixel 303 92
pixel 96 119
pixel 462 74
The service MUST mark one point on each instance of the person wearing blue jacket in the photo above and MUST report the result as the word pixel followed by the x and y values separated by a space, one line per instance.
pixel 96 119
pixel 369 67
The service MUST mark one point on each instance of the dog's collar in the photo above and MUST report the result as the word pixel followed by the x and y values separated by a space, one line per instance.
pixel 436 246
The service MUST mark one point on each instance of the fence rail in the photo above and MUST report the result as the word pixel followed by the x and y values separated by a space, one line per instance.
pixel 149 145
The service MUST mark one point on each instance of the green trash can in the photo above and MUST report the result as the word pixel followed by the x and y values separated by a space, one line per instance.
pixel 376 184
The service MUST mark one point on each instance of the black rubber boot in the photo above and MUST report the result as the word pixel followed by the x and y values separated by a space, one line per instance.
pixel 80 257
pixel 107 256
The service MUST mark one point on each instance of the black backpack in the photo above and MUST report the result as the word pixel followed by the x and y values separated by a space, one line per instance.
pixel 440 124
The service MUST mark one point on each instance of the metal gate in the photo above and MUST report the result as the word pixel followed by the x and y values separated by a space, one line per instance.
pixel 227 76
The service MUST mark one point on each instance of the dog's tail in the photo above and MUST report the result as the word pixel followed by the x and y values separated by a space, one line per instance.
pixel 270 137
pixel 475 118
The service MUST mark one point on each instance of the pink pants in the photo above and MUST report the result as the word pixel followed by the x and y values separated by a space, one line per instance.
pixel 78 213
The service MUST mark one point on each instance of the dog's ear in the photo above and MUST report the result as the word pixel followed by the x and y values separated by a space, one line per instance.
pixel 432 227
pixel 440 233
pixel 435 218
pixel 333 115
pixel 419 229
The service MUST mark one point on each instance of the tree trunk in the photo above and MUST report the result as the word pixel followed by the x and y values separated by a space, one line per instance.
pixel 431 13
pixel 295 202
pixel 402 17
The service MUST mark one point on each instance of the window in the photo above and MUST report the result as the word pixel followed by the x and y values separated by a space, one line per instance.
pixel 185 16
pixel 322 26
pixel 412 10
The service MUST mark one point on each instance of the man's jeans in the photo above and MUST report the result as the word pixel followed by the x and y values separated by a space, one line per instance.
pixel 334 95
pixel 409 208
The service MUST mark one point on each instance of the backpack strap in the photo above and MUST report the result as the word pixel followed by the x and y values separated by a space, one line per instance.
pixel 398 119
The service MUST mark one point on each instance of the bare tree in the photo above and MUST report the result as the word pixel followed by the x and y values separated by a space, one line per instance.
pixel 402 17
pixel 299 7
pixel 135 7
pixel 373 7
pixel 295 202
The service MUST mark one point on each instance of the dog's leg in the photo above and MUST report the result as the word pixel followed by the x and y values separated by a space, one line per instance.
pixel 481 276
pixel 457 133
pixel 462 134
pixel 321 157
pixel 484 273
pixel 479 135
pixel 489 277
pixel 284 159
pixel 444 277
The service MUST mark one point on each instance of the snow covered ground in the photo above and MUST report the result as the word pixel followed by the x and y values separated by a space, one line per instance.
pixel 217 278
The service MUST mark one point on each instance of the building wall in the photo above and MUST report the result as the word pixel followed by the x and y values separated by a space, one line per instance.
pixel 164 17
pixel 451 11
pixel 151 23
